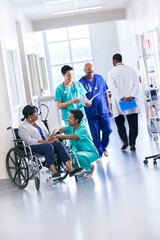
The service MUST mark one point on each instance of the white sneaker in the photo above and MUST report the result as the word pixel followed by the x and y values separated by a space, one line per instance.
pixel 91 172
pixel 105 153
pixel 99 160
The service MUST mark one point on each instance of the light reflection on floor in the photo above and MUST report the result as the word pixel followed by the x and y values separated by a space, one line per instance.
pixel 120 202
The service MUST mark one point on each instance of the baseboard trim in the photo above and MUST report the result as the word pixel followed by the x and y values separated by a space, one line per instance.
pixel 6 184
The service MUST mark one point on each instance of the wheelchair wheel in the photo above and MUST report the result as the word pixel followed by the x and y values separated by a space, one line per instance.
pixel 17 168
pixel 37 183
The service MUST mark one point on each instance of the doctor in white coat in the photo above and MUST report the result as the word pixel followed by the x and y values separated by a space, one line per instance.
pixel 124 86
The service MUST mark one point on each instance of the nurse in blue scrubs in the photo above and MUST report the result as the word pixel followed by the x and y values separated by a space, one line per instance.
pixel 80 140
pixel 67 94
pixel 98 114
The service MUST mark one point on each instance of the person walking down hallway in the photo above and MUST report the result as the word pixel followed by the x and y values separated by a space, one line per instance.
pixel 98 114
pixel 124 86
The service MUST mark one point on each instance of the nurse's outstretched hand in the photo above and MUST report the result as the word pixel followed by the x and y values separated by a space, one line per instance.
pixel 88 104
pixel 75 100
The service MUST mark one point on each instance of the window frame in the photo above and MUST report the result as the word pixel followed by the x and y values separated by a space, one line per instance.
pixel 14 109
pixel 71 63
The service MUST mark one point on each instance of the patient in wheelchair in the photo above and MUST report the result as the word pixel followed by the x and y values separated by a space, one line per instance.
pixel 34 133
pixel 80 141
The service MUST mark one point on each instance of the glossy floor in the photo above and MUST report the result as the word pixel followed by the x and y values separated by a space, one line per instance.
pixel 120 202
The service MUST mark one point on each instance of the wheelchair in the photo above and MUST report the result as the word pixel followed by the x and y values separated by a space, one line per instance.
pixel 23 165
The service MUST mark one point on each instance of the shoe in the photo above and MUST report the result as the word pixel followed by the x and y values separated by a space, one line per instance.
pixel 125 145
pixel 75 171
pixel 105 153
pixel 56 176
pixel 99 160
pixel 132 148
pixel 90 172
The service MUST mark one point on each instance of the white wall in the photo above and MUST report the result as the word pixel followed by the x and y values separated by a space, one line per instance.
pixel 104 43
pixel 8 36
pixel 142 16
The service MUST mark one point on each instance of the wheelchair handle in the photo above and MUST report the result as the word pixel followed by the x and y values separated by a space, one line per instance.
pixel 9 128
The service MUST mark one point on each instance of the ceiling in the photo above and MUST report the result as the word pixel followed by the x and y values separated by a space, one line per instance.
pixel 45 9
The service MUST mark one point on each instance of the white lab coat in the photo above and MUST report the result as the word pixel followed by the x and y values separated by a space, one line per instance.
pixel 123 82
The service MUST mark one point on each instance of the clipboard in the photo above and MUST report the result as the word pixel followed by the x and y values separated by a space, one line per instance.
pixel 84 100
pixel 124 105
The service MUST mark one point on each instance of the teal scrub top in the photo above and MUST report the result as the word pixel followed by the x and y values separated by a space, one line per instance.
pixel 66 94
pixel 84 143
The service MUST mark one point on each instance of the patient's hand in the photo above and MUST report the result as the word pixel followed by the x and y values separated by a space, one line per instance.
pixel 53 139
pixel 56 139
pixel 54 131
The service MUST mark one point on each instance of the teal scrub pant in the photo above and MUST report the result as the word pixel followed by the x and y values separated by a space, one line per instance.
pixel 85 159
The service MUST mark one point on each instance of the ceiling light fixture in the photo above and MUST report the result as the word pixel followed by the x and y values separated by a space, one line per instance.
pixel 77 10
pixel 60 1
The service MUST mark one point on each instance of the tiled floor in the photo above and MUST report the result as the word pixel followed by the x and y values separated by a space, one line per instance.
pixel 121 201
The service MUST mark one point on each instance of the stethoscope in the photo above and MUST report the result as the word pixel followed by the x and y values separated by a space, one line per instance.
pixel 88 87
pixel 64 89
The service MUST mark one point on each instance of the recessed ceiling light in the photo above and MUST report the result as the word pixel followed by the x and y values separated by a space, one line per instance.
pixel 77 10
pixel 52 2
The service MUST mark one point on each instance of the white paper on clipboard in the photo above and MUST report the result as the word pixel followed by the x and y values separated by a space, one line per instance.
pixel 83 101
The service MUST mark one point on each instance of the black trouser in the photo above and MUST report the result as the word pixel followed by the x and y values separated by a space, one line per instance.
pixel 133 127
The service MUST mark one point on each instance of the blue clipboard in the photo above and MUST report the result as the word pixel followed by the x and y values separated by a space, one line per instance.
pixel 124 105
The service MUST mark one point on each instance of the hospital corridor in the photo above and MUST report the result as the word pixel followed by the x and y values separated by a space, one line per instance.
pixel 79 119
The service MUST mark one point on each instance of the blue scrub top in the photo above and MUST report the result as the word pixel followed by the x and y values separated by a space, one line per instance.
pixel 84 143
pixel 66 94
pixel 99 104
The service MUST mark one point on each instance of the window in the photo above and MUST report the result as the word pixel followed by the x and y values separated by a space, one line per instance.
pixel 43 72
pixel 13 81
pixel 38 75
pixel 69 46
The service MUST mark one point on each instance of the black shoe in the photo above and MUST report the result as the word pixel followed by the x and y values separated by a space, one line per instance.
pixel 125 145
pixel 56 176
pixel 132 148
pixel 75 171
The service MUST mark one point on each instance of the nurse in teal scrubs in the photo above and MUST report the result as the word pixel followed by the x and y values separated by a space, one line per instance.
pixel 80 141
pixel 67 94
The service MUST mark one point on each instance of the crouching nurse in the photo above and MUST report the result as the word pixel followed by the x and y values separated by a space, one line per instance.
pixel 80 141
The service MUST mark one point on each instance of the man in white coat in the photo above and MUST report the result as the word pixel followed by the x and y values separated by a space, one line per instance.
pixel 124 86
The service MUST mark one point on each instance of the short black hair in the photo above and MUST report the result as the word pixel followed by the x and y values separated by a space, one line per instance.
pixel 28 110
pixel 78 114
pixel 117 57
pixel 65 68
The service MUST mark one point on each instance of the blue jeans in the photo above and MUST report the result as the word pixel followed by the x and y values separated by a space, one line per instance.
pixel 49 150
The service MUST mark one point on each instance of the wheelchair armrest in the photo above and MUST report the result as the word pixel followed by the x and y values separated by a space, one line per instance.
pixel 59 132
pixel 25 146
pixel 17 141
